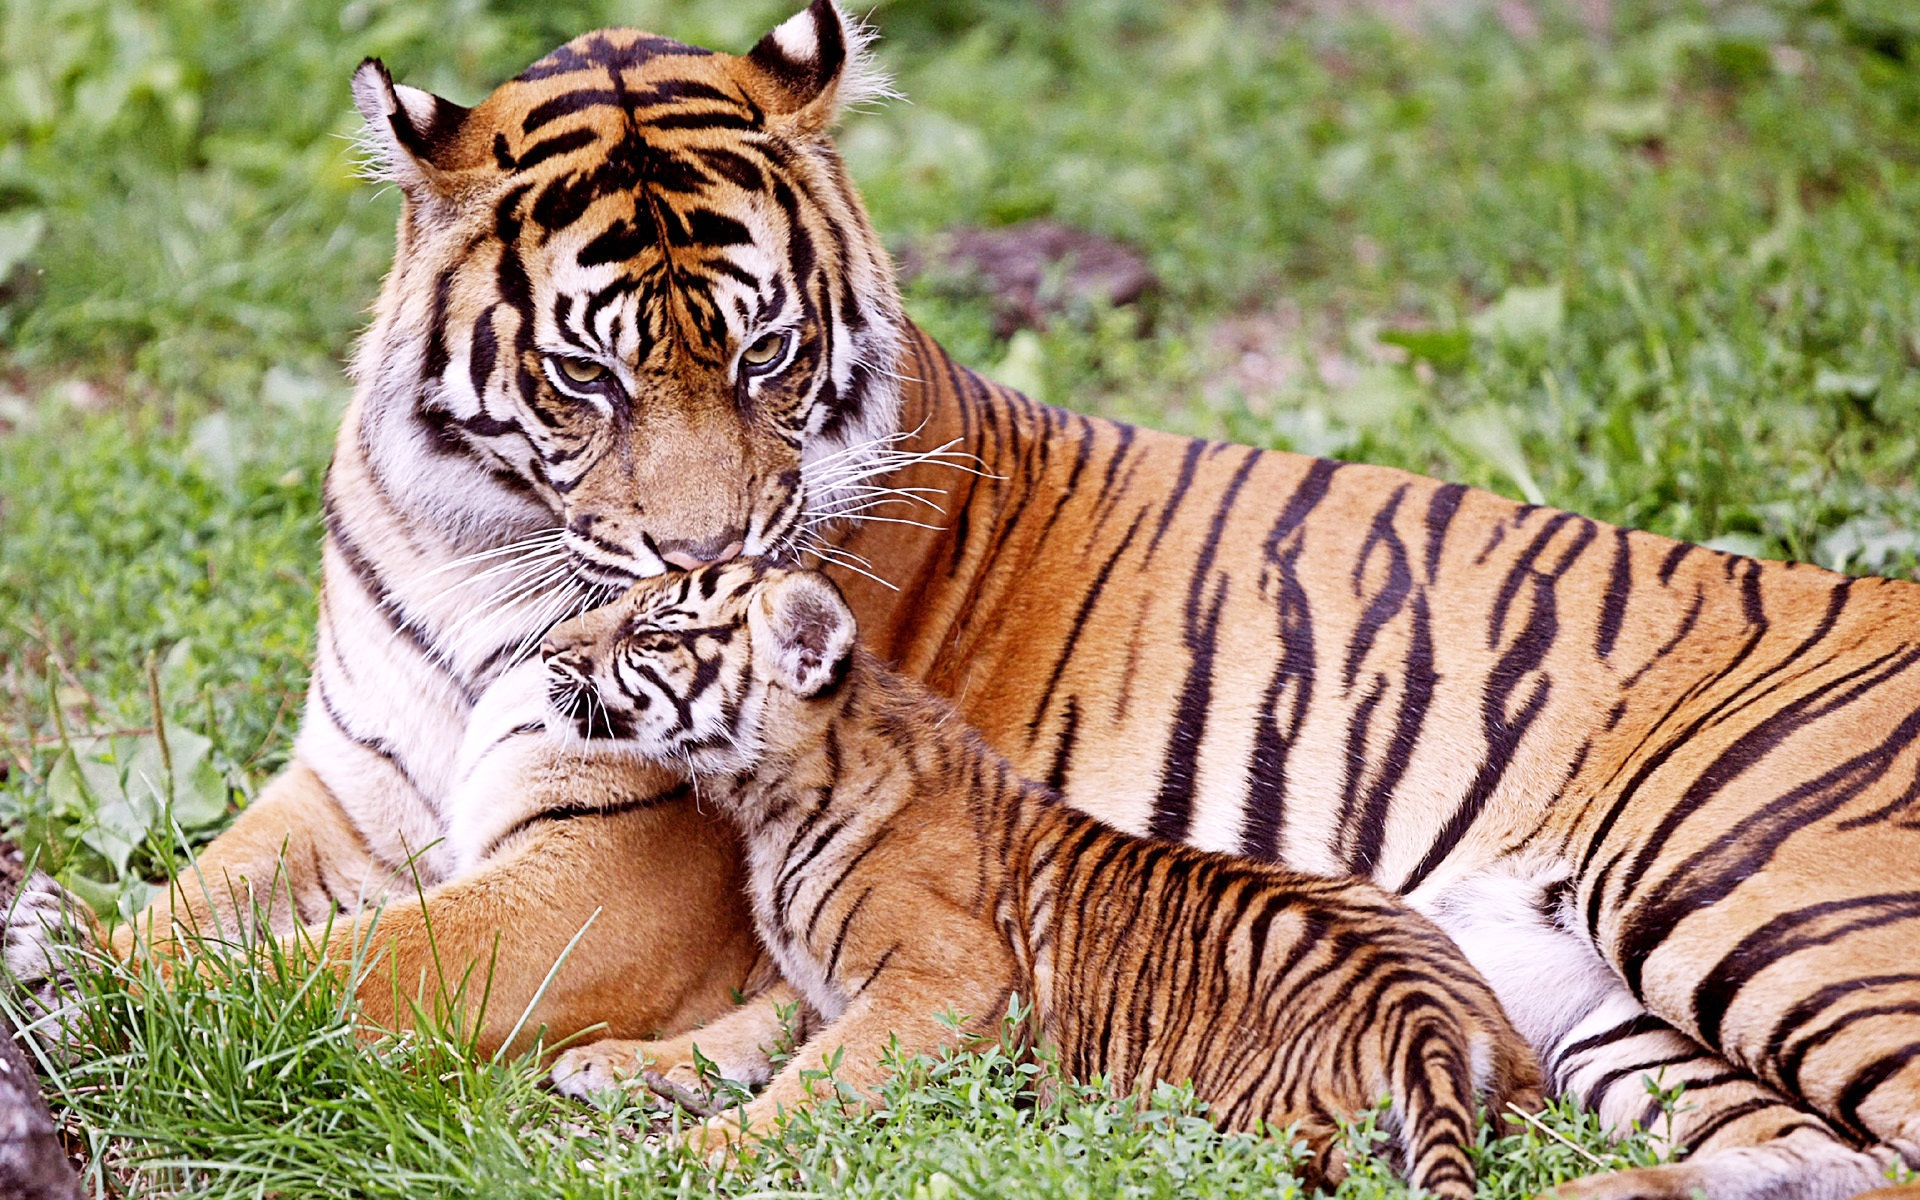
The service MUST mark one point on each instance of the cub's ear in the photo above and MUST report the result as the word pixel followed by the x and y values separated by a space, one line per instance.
pixel 812 67
pixel 803 633
pixel 410 134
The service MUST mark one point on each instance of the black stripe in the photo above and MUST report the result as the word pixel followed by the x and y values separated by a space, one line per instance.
pixel 840 938
pixel 378 747
pixel 564 143
pixel 1087 603
pixel 1440 513
pixel 827 893
pixel 1292 677
pixel 599 51
pixel 1179 773
pixel 1613 609
pixel 1671 562
pixel 1171 505
pixel 1416 697
pixel 1786 935
pixel 397 619
pixel 433 364
pixel 574 812
pixel 1502 726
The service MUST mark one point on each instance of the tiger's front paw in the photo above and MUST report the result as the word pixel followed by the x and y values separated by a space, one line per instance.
pixel 606 1066
pixel 47 937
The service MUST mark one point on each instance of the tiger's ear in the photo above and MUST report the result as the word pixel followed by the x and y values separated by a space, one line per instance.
pixel 409 136
pixel 803 633
pixel 812 67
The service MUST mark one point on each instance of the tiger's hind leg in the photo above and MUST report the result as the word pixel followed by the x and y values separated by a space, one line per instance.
pixel 1807 973
pixel 1741 1140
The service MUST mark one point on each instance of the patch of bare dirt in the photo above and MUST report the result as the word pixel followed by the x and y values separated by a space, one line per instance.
pixel 1034 271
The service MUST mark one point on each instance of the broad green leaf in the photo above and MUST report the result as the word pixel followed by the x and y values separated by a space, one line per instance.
pixel 1024 369
pixel 101 897
pixel 1446 349
pixel 66 791
pixel 1840 385
pixel 1750 544
pixel 1488 434
pixel 1629 120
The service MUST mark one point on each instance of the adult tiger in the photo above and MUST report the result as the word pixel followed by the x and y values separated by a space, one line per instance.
pixel 638 320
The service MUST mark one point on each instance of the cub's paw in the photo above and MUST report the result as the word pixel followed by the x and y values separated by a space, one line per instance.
pixel 47 936
pixel 717 1138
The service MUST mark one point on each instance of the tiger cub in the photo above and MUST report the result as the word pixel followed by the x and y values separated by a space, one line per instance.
pixel 901 871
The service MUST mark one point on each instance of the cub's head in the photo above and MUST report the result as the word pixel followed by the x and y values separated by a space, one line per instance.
pixel 710 667
pixel 635 288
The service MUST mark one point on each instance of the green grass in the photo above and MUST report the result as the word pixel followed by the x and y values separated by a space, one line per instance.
pixel 247 1079
pixel 1668 275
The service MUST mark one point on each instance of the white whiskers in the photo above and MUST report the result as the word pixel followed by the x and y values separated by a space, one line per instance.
pixel 848 486
pixel 806 541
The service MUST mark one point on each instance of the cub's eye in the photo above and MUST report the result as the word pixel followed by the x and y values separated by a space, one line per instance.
pixel 764 352
pixel 579 370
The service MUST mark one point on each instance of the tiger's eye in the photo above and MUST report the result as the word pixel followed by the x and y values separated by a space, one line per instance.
pixel 579 370
pixel 764 350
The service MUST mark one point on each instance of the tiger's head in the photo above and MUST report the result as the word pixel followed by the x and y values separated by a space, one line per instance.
pixel 710 668
pixel 635 295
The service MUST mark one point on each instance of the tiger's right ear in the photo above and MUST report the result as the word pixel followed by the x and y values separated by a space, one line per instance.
pixel 812 67
pixel 409 136
pixel 803 633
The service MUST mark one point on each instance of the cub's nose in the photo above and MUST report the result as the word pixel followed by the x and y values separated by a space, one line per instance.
pixel 548 648
pixel 689 556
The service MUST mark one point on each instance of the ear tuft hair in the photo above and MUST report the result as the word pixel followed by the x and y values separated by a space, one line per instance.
pixel 803 633
pixel 409 132
pixel 818 64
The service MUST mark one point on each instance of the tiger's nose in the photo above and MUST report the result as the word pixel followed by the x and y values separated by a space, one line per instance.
pixel 689 556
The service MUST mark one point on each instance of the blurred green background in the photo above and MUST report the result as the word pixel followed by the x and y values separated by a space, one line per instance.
pixel 1655 262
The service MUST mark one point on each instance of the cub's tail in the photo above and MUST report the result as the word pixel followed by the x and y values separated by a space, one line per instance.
pixel 1446 1061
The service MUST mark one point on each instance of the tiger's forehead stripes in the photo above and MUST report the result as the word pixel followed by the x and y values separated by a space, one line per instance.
pixel 665 132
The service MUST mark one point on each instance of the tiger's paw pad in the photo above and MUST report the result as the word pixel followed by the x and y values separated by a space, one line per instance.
pixel 47 937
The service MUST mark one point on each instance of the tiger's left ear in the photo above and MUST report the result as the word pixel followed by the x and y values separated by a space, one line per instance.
pixel 803 633
pixel 814 66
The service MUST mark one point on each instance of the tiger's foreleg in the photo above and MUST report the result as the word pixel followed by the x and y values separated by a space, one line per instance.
pixel 1741 1140
pixel 631 921
pixel 848 1060
pixel 289 859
